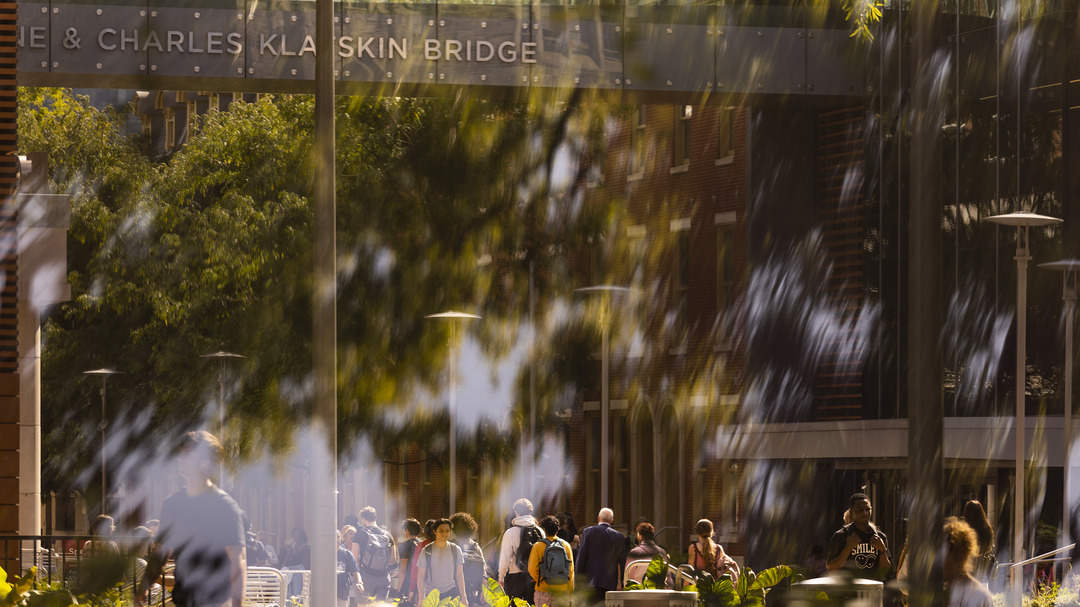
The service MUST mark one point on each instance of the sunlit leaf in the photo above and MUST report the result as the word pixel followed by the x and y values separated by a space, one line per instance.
pixel 771 577
pixel 25 583
pixel 656 574
pixel 431 600
pixel 494 594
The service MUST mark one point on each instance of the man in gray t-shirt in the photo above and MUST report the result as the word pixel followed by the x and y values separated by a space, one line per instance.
pixel 440 566
pixel 202 528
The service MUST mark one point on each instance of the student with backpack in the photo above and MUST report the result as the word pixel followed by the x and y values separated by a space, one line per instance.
pixel 375 555
pixel 475 567
pixel 708 556
pixel 517 545
pixel 551 564
pixel 406 550
pixel 440 567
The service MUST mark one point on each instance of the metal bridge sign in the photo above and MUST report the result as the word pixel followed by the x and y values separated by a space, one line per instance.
pixel 404 48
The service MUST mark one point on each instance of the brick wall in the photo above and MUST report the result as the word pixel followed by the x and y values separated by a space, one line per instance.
pixel 9 354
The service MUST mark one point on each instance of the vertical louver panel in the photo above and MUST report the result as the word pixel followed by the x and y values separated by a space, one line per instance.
pixel 840 209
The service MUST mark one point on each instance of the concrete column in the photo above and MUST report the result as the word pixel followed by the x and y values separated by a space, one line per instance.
pixel 29 419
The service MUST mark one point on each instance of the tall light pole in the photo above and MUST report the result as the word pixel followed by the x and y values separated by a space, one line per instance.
pixel 104 373
pixel 221 355
pixel 1023 223
pixel 605 402
pixel 322 514
pixel 1070 273
pixel 453 316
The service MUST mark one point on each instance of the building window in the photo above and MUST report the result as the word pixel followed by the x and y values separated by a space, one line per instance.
pixel 594 176
pixel 728 528
pixel 637 144
pixel 725 278
pixel 635 253
pixel 680 280
pixel 170 128
pixel 635 264
pixel 680 146
pixel 621 460
pixel 725 137
pixel 192 119
pixel 596 263
pixel 592 464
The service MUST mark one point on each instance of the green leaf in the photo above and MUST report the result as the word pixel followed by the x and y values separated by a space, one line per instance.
pixel 5 587
pixel 725 593
pixel 633 585
pixel 772 576
pixel 656 575
pixel 25 583
pixel 431 600
pixel 494 594
pixel 745 580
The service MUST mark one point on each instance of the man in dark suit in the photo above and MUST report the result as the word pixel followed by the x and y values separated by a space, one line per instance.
pixel 601 555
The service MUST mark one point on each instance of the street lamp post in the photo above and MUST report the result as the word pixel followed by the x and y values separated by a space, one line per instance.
pixel 1070 272
pixel 605 402
pixel 104 373
pixel 1023 223
pixel 221 355
pixel 452 315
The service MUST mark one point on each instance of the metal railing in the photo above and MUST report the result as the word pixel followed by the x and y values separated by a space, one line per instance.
pixel 678 536
pixel 68 562
pixel 1058 564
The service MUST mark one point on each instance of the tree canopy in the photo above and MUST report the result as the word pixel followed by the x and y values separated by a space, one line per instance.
pixel 441 204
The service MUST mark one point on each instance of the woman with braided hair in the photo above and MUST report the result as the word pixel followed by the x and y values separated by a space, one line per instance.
pixel 708 556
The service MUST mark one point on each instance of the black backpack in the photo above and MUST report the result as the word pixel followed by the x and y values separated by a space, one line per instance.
pixel 474 569
pixel 529 536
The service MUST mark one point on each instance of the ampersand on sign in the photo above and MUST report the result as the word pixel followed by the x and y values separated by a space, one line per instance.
pixel 71 39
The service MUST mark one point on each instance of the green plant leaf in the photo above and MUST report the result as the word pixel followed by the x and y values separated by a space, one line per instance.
pixel 745 580
pixel 5 587
pixel 656 575
pixel 633 585
pixel 494 594
pixel 431 600
pixel 725 592
pixel 25 583
pixel 771 577
pixel 690 588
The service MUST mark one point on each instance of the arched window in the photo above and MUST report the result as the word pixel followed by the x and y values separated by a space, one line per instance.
pixel 669 480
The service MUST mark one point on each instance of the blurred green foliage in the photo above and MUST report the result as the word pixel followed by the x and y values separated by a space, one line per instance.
pixel 442 204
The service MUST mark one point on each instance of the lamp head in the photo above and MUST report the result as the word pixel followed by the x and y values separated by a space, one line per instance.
pixel 452 314
pixel 1062 265
pixel 1022 219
